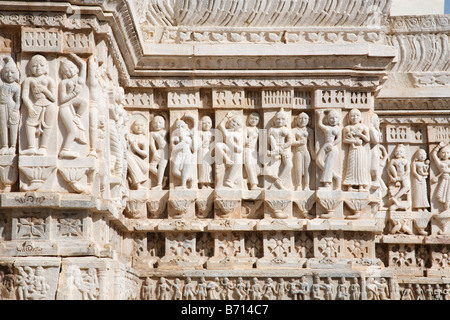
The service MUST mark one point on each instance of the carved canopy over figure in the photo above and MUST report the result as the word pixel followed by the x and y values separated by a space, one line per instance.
pixel 39 97
pixel 9 107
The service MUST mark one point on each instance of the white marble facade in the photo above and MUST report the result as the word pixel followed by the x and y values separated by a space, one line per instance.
pixel 298 152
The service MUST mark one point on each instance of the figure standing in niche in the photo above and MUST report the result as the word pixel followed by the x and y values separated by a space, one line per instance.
pixel 159 149
pixel 73 105
pixel 356 135
pixel 138 153
pixel 378 155
pixel 183 148
pixel 229 152
pixel 355 290
pixel 398 173
pixel 328 153
pixel 205 168
pixel 280 142
pixel 251 150
pixel 39 97
pixel 9 107
pixel 441 157
pixel 419 170
pixel 303 151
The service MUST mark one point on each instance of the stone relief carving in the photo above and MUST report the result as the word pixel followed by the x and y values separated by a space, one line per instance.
pixel 159 148
pixel 303 146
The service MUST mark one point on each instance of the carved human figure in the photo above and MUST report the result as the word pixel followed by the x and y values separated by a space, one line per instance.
pixel 9 107
pixel 328 152
pixel 407 293
pixel 159 149
pixel 446 291
pixel 227 288
pixel 177 294
pixel 202 289
pixel 241 289
pixel 72 105
pixel 419 172
pixel 399 179
pixel 269 290
pixel 378 155
pixel 316 288
pixel 280 142
pixel 31 283
pixel 39 97
pixel 213 289
pixel 147 289
pixel 356 135
pixel 437 292
pixel 441 157
pixel 419 293
pixel 383 289
pixel 205 169
pixel 255 290
pixel 188 290
pixel 304 290
pixel 372 290
pixel 87 284
pixel 251 150
pixel 229 151
pixel 137 158
pixel 355 290
pixel 163 290
pixel 303 148
pixel 281 290
pixel 183 147
pixel 342 290
pixel 429 292
pixel 328 286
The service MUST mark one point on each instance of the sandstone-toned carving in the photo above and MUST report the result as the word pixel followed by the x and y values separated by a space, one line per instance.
pixel 303 147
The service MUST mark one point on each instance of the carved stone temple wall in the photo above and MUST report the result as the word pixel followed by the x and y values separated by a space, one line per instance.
pixel 232 149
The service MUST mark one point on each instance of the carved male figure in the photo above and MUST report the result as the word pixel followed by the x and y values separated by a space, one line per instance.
pixel 39 97
pixel 9 107
pixel 280 142
pixel 138 153
pixel 204 154
pixel 159 149
pixel 398 173
pixel 183 148
pixel 328 152
pixel 73 105
pixel 229 152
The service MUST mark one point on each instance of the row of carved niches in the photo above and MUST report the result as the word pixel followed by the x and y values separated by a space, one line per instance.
pixel 254 250
pixel 310 286
pixel 63 123
pixel 46 232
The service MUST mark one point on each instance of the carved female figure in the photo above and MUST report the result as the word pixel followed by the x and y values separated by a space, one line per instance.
pixel 280 142
pixel 213 289
pixel 227 289
pixel 398 173
pixel 378 155
pixel 304 291
pixel 204 154
pixel 39 97
pixel 328 153
pixel 315 289
pixel 251 151
pixel 269 290
pixel 407 293
pixel 303 151
pixel 202 289
pixel 159 149
pixel 355 290
pixel 73 106
pixel 163 290
pixel 441 157
pixel 177 295
pixel 342 292
pixel 356 135
pixel 230 150
pixel 255 290
pixel 189 292
pixel 282 290
pixel 241 289
pixel 183 148
pixel 137 158
pixel 9 107
pixel 419 170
